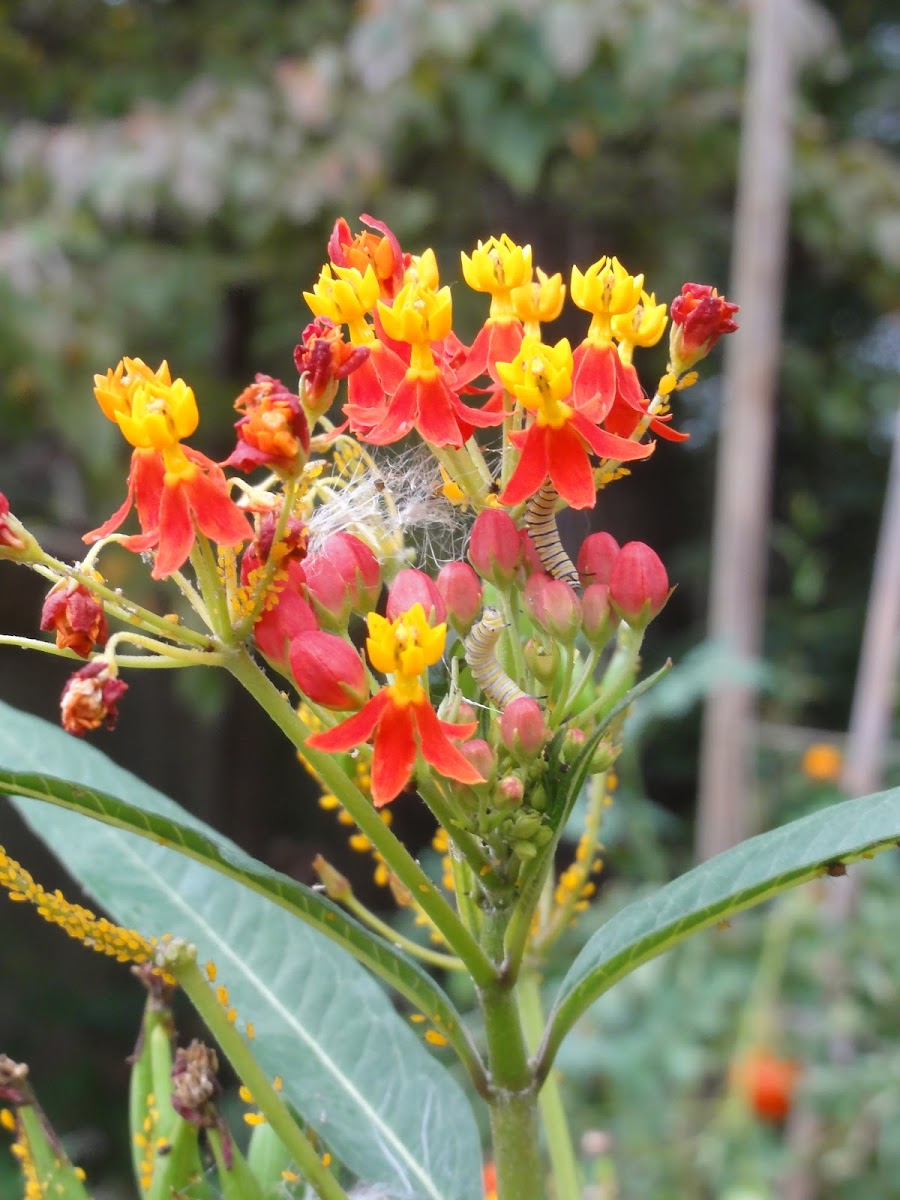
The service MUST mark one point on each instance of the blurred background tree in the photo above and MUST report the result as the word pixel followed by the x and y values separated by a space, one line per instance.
pixel 170 175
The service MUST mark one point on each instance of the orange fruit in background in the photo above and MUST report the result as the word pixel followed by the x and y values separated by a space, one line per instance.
pixel 767 1083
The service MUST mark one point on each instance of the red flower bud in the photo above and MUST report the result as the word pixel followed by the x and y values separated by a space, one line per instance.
pixel 767 1083
pixel 553 605
pixel 596 557
pixel 77 616
pixel 90 699
pixel 639 586
pixel 700 316
pixel 293 544
pixel 461 590
pixel 328 671
pixel 495 547
pixel 415 587
pixel 523 727
pixel 13 536
pixel 322 359
pixel 286 613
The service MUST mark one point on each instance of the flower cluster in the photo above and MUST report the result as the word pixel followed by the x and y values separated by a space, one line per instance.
pixel 484 675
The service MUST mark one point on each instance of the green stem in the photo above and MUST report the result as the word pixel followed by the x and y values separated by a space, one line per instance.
pixel 445 962
pixel 619 675
pixel 180 654
pixel 559 709
pixel 248 1070
pixel 126 610
pixel 513 1098
pixel 445 816
pixel 567 1185
pixel 207 572
pixel 394 853
pixel 512 639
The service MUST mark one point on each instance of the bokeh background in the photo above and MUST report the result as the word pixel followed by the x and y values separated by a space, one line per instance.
pixel 170 173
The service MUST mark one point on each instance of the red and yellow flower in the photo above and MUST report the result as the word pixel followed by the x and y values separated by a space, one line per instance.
pixel 175 489
pixel 399 718
pixel 565 428
pixel 502 269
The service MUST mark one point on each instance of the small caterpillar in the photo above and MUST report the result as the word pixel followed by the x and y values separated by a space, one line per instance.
pixel 481 656
pixel 540 521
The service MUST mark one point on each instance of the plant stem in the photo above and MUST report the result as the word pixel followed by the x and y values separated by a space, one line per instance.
pixel 394 853
pixel 248 1070
pixel 513 1098
pixel 446 962
pixel 553 1115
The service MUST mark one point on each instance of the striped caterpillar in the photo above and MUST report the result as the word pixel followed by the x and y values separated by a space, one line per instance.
pixel 481 645
pixel 540 521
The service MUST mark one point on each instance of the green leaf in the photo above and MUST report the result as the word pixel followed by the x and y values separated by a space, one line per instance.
pixel 351 1066
pixel 743 876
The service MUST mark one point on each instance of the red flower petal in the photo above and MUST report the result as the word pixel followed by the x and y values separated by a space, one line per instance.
pixel 497 341
pixel 438 750
pixel 393 753
pixel 355 730
pixel 217 514
pixel 608 445
pixel 398 419
pixel 594 379
pixel 569 467
pixel 176 531
pixel 531 469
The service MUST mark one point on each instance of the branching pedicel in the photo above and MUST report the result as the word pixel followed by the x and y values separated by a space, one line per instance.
pixel 487 686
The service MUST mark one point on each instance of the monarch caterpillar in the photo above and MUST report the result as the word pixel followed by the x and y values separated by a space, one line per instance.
pixel 481 656
pixel 540 521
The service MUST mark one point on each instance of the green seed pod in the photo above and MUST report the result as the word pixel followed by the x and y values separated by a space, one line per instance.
pixel 57 1177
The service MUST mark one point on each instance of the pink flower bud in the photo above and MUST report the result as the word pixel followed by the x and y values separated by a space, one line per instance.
pixel 415 587
pixel 510 791
pixel 481 756
pixel 461 590
pixel 639 586
pixel 531 560
pixel 523 727
pixel 598 620
pixel 572 745
pixel 341 578
pixel 90 699
pixel 495 547
pixel 328 671
pixel 553 605
pixel 76 615
pixel 596 557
